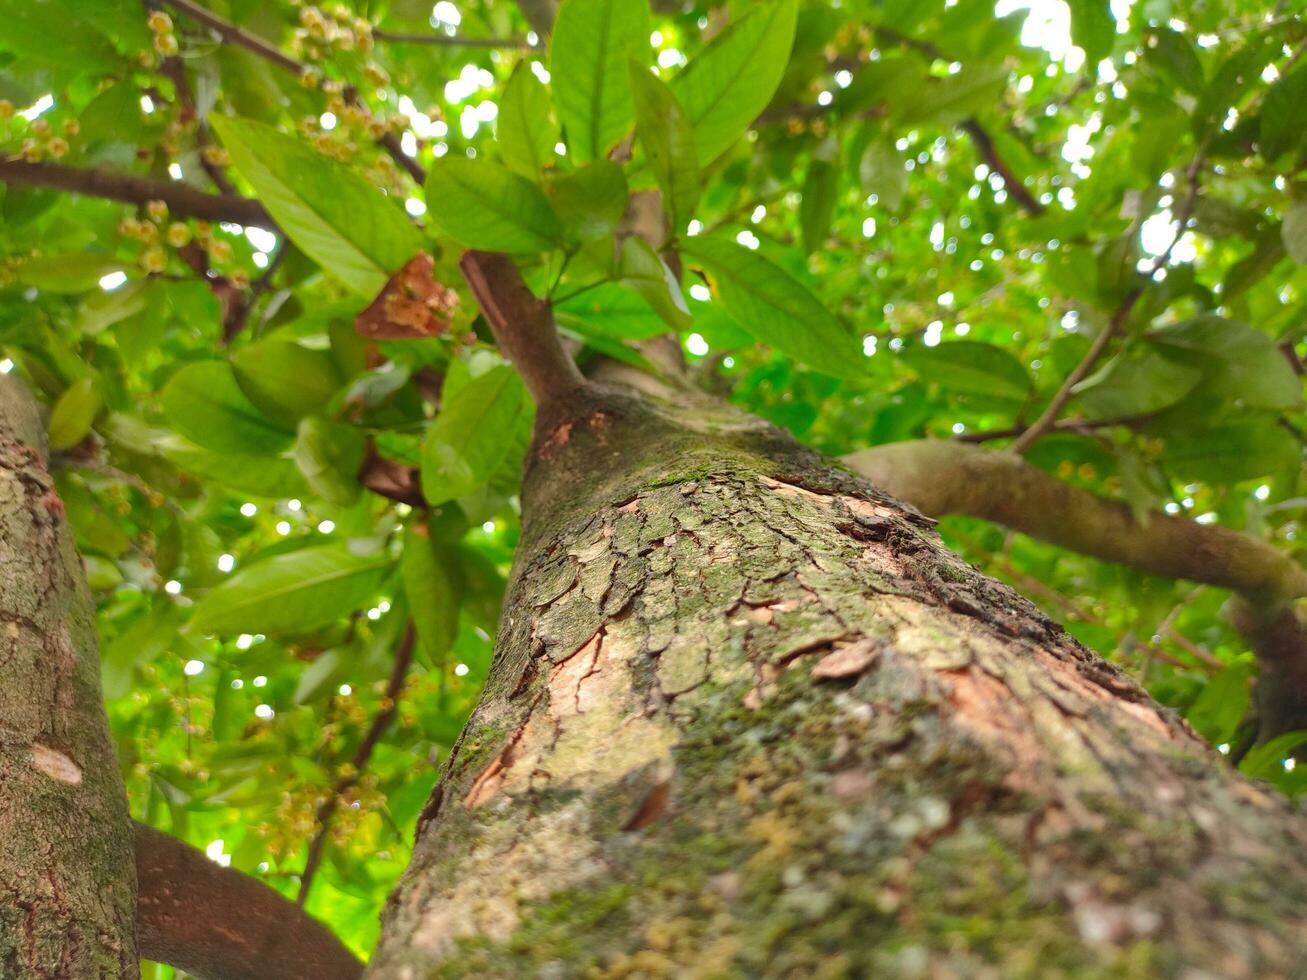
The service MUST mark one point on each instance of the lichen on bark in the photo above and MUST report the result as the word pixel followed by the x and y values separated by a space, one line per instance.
pixel 67 881
pixel 748 717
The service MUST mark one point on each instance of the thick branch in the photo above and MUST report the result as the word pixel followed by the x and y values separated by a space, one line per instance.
pixel 941 477
pixel 362 755
pixel 523 326
pixel 220 924
pixel 182 199
pixel 1278 637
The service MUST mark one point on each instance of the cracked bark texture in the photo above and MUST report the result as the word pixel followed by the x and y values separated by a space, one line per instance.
pixel 748 717
pixel 67 881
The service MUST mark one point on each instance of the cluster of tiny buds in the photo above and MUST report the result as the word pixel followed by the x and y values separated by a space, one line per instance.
pixel 155 232
pixel 42 141
pixel 319 33
pixel 165 41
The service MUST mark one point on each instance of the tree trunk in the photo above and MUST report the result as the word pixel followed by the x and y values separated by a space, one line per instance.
pixel 748 717
pixel 67 882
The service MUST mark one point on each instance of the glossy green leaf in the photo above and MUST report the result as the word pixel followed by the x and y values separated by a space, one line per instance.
pixel 293 592
pixel 70 421
pixel 1093 28
pixel 1237 360
pixel 286 381
pixel 1231 451
pixel 1293 230
pixel 821 188
pixel 613 309
pixel 1220 707
pixel 1128 386
pixel 593 41
pixel 589 201
pixel 643 270
pixel 971 367
pixel 72 273
pixel 523 130
pixel 667 137
pixel 728 84
pixel 1283 122
pixel 330 454
pixel 774 307
pixel 881 172
pixel 483 204
pixel 205 404
pixel 329 211
pixel 470 437
pixel 429 570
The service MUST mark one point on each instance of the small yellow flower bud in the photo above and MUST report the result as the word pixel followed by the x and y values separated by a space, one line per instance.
pixel 72 127
pixel 240 278
pixel 217 156
pixel 57 147
pixel 166 44
pixel 375 74
pixel 31 151
pixel 332 87
pixel 158 210
pixel 40 126
pixel 219 250
pixel 311 78
pixel 179 234
pixel 146 59
pixel 160 22
pixel 154 259
pixel 6 109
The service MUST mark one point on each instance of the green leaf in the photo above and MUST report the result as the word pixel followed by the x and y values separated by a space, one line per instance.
pixel 971 367
pixel 591 201
pixel 1266 761
pixel 205 404
pixel 644 271
pixel 1125 386
pixel 776 308
pixel 1217 711
pixel 73 273
pixel 470 437
pixel 328 209
pixel 1176 57
pixel 977 86
pixel 667 137
pixel 1237 360
pixel 821 189
pixel 70 421
pixel 429 571
pixel 293 592
pixel 880 172
pixel 525 136
pixel 146 640
pixel 1255 266
pixel 725 87
pixel 1283 122
pixel 286 381
pixel 483 204
pixel 1233 451
pixel 258 476
pixel 1293 230
pixel 592 43
pixel 1093 28
pixel 613 310
pixel 330 454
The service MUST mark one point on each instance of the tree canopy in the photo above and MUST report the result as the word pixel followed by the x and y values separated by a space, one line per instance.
pixel 230 263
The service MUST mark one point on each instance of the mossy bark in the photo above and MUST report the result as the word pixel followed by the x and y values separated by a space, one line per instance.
pixel 67 879
pixel 748 717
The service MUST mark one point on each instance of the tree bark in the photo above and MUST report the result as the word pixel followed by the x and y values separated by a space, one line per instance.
pixel 67 882
pixel 748 717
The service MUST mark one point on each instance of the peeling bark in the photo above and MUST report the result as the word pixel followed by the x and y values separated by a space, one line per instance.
pixel 748 717
pixel 67 884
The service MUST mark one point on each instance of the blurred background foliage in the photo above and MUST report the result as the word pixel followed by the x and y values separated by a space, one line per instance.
pixel 973 191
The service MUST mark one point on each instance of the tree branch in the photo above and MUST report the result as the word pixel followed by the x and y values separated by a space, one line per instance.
pixel 220 924
pixel 946 477
pixel 182 199
pixel 523 326
pixel 380 722
pixel 989 153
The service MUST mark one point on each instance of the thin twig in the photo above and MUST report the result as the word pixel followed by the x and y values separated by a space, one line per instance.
pixel 985 147
pixel 182 199
pixel 380 722
pixel 453 41
pixel 1119 318
pixel 1062 425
